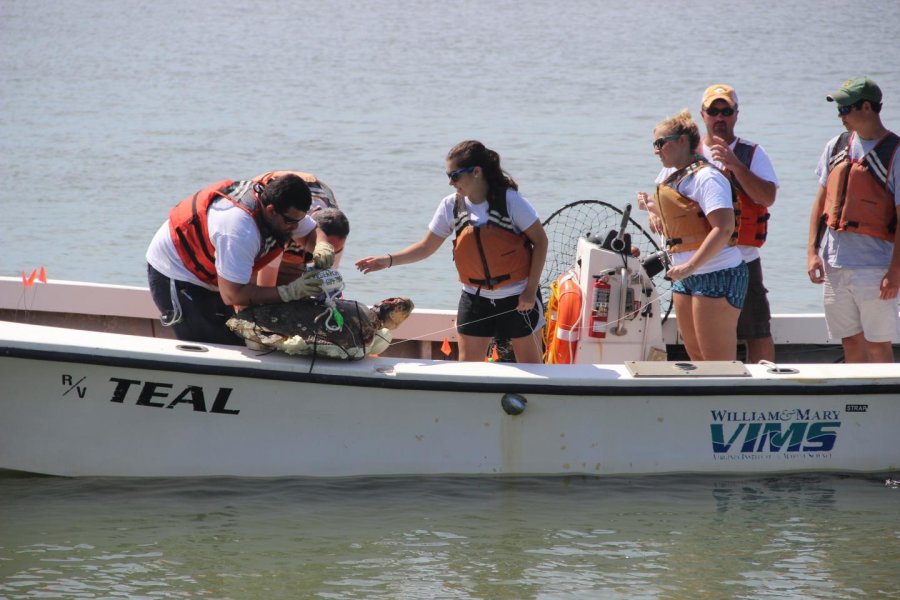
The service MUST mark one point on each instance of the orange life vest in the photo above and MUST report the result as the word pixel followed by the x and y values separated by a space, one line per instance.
pixel 754 217
pixel 189 227
pixel 490 256
pixel 563 328
pixel 684 224
pixel 857 196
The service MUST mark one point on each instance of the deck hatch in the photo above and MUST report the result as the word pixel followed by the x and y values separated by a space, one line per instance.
pixel 712 368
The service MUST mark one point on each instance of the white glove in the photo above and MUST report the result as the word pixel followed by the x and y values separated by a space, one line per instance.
pixel 323 255
pixel 304 286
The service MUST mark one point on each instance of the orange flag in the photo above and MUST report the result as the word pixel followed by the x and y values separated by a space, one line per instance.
pixel 445 347
pixel 495 356
pixel 29 281
pixel 43 275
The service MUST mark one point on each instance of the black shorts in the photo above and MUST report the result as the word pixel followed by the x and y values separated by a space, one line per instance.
pixel 203 313
pixel 754 322
pixel 483 317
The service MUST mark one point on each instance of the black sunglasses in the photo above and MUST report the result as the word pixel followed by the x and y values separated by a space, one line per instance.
pixel 845 110
pixel 658 143
pixel 715 112
pixel 454 175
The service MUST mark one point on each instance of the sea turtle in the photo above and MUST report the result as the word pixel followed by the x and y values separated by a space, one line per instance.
pixel 308 326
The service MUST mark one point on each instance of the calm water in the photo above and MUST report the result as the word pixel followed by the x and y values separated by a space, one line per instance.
pixel 110 112
pixel 785 537
pixel 114 111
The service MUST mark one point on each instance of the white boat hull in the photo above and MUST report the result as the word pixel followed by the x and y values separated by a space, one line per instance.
pixel 79 403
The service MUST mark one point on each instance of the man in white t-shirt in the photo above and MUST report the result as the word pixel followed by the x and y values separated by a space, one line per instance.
pixel 751 172
pixel 203 260
pixel 855 221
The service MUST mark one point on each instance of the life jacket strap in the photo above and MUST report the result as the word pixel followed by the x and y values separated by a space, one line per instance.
pixel 489 283
pixel 672 242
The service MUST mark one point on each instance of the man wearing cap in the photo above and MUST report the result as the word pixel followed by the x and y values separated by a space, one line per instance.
pixel 751 173
pixel 854 220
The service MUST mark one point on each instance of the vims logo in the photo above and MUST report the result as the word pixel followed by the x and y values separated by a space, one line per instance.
pixel 757 433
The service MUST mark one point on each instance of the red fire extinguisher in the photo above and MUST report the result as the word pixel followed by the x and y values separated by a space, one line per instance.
pixel 600 307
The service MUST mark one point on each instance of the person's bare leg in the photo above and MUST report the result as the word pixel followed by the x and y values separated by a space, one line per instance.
pixel 760 349
pixel 684 313
pixel 528 348
pixel 473 348
pixel 879 352
pixel 715 324
pixel 855 348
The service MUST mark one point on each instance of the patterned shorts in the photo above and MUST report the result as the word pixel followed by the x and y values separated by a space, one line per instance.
pixel 730 284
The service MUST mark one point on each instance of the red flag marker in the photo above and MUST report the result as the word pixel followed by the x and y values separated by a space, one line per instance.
pixel 29 281
pixel 445 347
pixel 42 277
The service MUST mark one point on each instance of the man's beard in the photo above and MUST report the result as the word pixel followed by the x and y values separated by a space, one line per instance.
pixel 276 234
pixel 282 237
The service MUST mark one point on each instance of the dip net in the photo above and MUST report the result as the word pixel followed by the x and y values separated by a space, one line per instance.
pixel 598 218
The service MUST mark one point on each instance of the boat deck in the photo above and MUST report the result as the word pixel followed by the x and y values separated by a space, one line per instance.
pixel 799 338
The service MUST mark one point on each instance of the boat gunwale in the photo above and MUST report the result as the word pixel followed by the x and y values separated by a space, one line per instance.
pixel 706 386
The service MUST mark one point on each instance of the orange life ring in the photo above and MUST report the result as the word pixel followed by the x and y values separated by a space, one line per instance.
pixel 550 319
pixel 563 320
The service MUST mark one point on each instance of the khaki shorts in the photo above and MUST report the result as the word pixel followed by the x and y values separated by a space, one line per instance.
pixel 852 305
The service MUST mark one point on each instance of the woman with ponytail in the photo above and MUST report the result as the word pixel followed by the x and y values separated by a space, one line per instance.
pixel 499 250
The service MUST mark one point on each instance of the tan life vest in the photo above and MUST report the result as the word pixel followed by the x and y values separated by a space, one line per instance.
pixel 684 224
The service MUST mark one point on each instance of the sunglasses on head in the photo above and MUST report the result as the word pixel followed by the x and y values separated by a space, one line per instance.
pixel 455 175
pixel 845 110
pixel 658 143
pixel 715 112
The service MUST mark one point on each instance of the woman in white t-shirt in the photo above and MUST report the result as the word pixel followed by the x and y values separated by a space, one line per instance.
pixel 499 251
pixel 694 209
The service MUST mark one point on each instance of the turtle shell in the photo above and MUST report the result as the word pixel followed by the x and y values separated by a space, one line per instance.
pixel 313 321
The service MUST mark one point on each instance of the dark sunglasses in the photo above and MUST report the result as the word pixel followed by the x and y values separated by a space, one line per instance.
pixel 658 143
pixel 454 175
pixel 845 110
pixel 715 112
